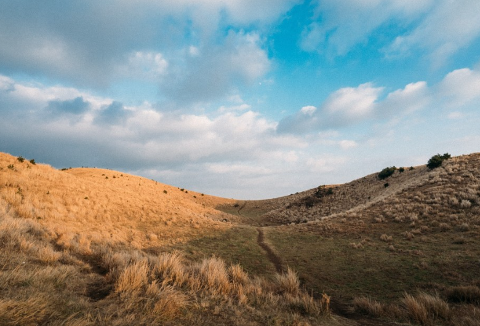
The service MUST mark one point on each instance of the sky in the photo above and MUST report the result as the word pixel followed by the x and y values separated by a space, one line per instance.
pixel 242 99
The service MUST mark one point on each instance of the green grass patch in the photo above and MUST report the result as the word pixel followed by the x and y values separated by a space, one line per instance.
pixel 235 246
pixel 333 265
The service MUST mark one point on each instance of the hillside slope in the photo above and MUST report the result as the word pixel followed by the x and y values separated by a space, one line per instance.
pixel 447 189
pixel 91 247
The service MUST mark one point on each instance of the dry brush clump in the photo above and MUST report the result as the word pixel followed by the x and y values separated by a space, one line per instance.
pixel 368 306
pixel 426 309
pixel 168 286
pixel 422 308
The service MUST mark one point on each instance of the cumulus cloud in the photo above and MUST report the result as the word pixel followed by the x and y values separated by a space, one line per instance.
pixel 437 28
pixel 449 27
pixel 226 151
pixel 217 69
pixel 144 65
pixel 112 114
pixel 344 107
pixel 460 87
pixel 92 42
pixel 143 136
pixel 413 97
pixel 352 105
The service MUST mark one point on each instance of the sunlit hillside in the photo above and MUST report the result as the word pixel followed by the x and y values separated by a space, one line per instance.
pixel 94 247
pixel 88 246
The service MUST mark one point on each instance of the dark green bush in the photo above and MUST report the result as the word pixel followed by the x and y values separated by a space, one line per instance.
pixel 20 159
pixel 322 191
pixel 32 161
pixel 385 173
pixel 436 160
pixel 401 170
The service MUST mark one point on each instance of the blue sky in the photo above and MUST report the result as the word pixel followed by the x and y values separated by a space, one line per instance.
pixel 240 98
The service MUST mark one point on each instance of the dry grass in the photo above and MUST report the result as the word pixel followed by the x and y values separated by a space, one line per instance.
pixel 466 294
pixel 368 306
pixel 426 309
pixel 79 248
pixel 95 247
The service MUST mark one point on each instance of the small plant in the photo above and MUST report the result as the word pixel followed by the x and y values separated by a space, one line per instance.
pixel 411 168
pixel 323 191
pixel 32 161
pixel 165 192
pixel 20 159
pixel 436 160
pixel 401 170
pixel 182 189
pixel 11 166
pixel 385 173
pixel 386 185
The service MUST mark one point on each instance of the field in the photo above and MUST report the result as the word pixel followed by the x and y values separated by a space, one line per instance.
pixel 89 246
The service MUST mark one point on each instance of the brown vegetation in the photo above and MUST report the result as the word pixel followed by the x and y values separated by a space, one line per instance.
pixel 99 247
pixel 84 247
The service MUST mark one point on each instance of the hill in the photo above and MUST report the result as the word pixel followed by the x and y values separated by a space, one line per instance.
pixel 89 246
pixel 370 241
pixel 98 247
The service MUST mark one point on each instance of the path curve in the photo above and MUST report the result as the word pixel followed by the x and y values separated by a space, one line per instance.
pixel 276 261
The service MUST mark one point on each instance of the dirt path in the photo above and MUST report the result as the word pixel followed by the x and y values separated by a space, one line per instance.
pixel 276 261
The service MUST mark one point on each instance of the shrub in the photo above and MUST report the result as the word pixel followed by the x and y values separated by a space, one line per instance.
pixel 368 306
pixel 385 173
pixel 401 170
pixel 20 159
pixel 165 192
pixel 11 166
pixel 288 282
pixel 323 191
pixel 436 160
pixel 32 161
pixel 386 185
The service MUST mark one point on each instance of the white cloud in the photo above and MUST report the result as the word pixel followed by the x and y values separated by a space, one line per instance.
pixel 413 97
pixel 347 144
pixel 308 110
pixel 326 163
pixel 341 24
pixel 352 103
pixel 343 107
pixel 460 87
pixel 145 65
pixel 218 69
pixel 437 28
pixel 448 27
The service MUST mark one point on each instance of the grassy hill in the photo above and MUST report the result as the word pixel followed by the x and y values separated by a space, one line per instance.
pixel 98 247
